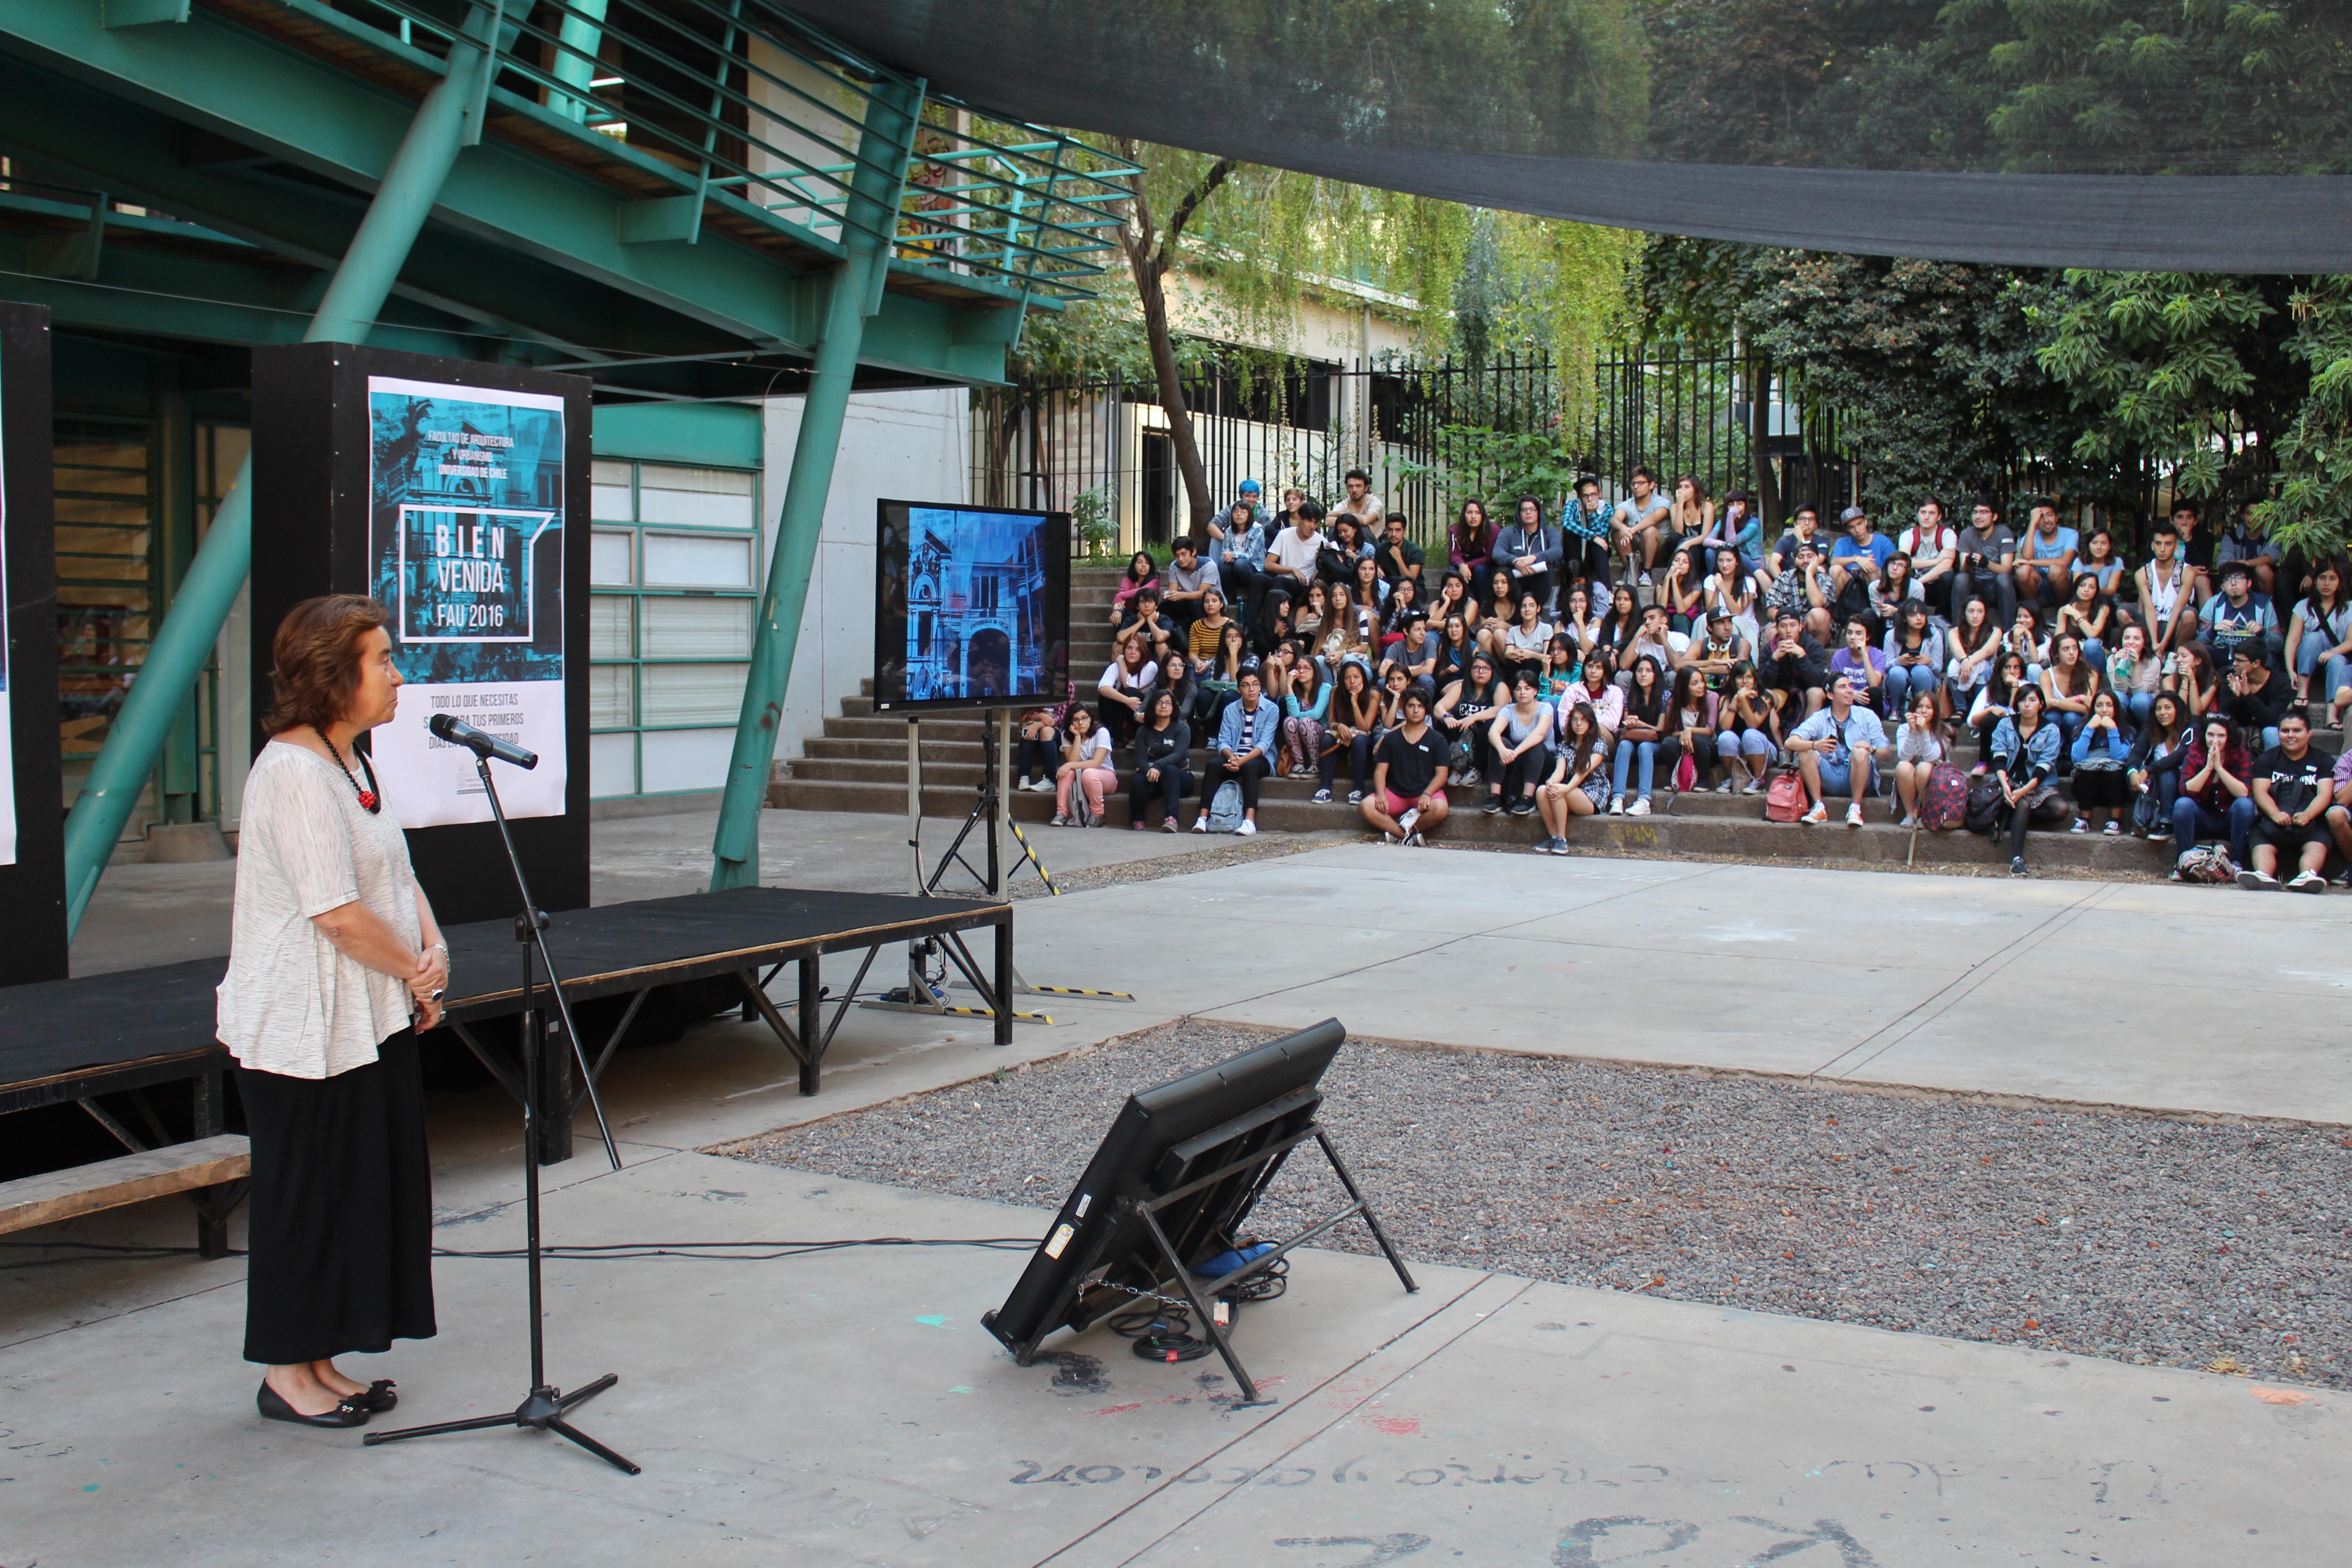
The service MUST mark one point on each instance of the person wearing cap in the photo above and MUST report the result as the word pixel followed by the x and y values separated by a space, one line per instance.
pixel 1856 558
pixel 1986 554
pixel 2238 615
pixel 1719 649
pixel 2045 556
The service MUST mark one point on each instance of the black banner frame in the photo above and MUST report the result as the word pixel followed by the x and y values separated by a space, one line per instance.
pixel 33 941
pixel 310 536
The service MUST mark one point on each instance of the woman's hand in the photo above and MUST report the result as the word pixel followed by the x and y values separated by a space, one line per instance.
pixel 426 984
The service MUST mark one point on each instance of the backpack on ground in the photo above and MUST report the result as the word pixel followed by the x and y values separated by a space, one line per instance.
pixel 1082 813
pixel 1225 808
pixel 1981 814
pixel 2146 814
pixel 1784 797
pixel 2209 864
pixel 1944 804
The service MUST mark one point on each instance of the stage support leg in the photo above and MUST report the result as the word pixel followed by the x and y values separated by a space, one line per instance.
pixel 1005 980
pixel 810 1021
pixel 214 1204
pixel 885 144
pixel 445 121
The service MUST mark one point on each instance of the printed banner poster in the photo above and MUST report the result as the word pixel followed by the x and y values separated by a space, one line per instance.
pixel 466 534
pixel 7 711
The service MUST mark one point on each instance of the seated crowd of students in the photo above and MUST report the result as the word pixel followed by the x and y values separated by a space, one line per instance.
pixel 1574 664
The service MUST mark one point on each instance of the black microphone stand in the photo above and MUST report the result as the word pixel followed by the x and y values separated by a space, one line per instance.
pixel 543 1408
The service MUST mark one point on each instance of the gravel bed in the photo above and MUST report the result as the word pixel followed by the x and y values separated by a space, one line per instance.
pixel 2147 1240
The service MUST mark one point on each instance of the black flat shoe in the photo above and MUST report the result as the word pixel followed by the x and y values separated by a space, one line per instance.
pixel 379 1396
pixel 351 1412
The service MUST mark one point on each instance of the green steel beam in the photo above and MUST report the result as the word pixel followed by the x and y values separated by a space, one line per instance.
pixel 230 80
pixel 147 294
pixel 183 642
pixel 892 114
pixel 136 153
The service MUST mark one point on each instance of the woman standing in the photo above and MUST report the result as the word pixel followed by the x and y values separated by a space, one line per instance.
pixel 334 961
pixel 1163 762
pixel 1579 781
pixel 1085 763
pixel 2025 756
pixel 1918 747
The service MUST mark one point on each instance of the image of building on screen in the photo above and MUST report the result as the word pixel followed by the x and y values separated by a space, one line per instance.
pixel 975 604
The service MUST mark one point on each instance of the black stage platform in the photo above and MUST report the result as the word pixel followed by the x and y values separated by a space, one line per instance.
pixel 76 1040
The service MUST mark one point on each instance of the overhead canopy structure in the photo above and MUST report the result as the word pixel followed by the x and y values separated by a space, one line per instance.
pixel 2137 134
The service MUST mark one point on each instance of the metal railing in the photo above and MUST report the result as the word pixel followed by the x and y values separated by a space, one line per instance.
pixel 1431 435
pixel 743 111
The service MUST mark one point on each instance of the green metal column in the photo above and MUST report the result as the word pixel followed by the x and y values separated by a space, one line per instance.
pixel 449 118
pixel 582 30
pixel 885 144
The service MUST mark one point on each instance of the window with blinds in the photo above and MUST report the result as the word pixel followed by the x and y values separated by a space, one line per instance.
pixel 674 562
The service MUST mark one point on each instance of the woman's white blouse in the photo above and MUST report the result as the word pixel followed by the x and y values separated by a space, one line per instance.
pixel 291 1003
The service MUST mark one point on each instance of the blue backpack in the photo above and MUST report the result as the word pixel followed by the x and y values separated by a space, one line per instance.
pixel 1225 808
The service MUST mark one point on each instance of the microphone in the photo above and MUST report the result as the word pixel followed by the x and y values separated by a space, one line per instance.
pixel 457 732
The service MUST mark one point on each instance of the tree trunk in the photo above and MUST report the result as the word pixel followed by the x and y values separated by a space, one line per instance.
pixel 1151 290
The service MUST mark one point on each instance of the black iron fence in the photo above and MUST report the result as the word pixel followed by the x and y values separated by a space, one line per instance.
pixel 1430 435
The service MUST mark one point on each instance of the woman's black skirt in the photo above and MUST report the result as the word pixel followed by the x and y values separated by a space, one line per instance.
pixel 2101 786
pixel 339 1253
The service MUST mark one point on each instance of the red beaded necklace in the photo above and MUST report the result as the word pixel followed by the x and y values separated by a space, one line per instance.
pixel 369 801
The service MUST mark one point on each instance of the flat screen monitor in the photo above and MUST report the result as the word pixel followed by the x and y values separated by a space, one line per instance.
pixel 972 607
pixel 1098 1254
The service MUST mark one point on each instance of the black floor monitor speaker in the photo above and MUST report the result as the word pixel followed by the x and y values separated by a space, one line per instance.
pixel 1170 1187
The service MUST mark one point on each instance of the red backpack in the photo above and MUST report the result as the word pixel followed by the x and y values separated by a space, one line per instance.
pixel 1944 804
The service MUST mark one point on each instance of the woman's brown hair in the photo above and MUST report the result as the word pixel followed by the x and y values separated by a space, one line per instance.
pixel 315 659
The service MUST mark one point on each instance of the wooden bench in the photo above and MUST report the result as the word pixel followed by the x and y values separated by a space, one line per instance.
pixel 212 1162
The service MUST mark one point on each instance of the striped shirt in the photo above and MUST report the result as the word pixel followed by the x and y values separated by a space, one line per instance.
pixel 291 1003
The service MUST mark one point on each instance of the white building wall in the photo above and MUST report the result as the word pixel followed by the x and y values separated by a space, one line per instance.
pixel 895 445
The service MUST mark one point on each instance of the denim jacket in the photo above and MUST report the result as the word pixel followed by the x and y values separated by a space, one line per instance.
pixel 1248 549
pixel 2041 759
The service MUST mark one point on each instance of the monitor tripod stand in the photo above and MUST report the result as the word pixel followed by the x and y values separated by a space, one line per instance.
pixel 544 1407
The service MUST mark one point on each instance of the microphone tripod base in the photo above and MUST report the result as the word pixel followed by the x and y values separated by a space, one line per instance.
pixel 543 1410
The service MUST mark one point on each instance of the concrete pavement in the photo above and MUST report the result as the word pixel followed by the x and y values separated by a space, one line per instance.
pixel 848 1408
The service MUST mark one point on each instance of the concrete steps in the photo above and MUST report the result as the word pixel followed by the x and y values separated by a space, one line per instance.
pixel 858 763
